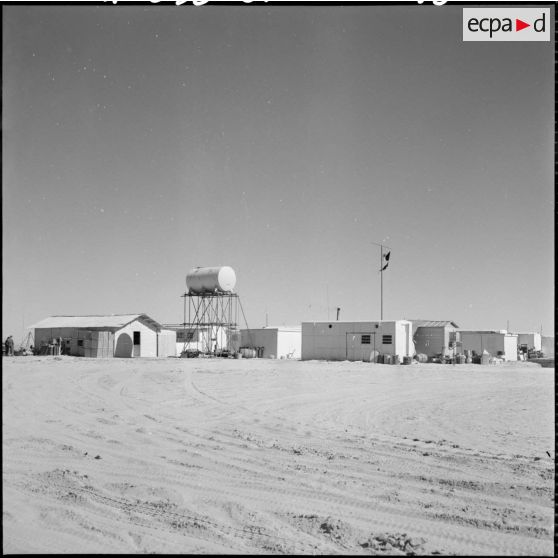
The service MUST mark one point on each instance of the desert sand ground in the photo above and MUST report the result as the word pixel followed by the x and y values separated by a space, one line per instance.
pixel 276 456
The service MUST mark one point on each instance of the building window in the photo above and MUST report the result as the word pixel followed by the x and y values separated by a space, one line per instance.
pixel 184 336
pixel 137 337
pixel 386 339
pixel 80 342
pixel 365 339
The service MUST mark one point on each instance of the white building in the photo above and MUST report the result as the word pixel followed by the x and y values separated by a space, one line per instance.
pixel 121 335
pixel 356 340
pixel 497 343
pixel 204 339
pixel 273 342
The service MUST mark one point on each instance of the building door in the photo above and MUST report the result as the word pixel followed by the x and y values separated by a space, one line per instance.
pixel 359 346
pixel 136 352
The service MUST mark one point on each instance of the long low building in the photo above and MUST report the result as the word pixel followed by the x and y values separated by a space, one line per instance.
pixel 120 335
pixel 204 339
pixel 273 342
pixel 356 341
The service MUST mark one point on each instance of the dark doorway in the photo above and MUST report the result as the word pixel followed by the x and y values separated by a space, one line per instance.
pixel 137 344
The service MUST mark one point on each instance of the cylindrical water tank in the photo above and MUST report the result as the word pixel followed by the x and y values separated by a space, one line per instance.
pixel 211 279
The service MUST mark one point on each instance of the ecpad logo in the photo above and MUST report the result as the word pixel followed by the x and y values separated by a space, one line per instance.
pixel 494 24
pixel 503 24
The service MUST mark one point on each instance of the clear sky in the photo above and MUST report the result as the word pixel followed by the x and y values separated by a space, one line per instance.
pixel 142 141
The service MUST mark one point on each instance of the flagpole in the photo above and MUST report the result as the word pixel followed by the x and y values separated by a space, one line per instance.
pixel 381 282
pixel 382 266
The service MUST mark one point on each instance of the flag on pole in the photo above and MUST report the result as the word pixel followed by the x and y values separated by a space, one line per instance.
pixel 386 257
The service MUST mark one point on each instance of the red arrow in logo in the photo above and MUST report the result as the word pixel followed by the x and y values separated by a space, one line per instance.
pixel 519 25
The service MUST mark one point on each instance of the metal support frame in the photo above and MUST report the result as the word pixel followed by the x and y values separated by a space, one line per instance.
pixel 207 317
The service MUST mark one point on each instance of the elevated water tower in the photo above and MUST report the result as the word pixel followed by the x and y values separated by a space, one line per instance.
pixel 211 312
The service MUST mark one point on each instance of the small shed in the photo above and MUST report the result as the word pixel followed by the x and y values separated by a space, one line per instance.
pixel 116 335
pixel 273 342
pixel 434 338
pixel 166 343
pixel 497 343
pixel 356 340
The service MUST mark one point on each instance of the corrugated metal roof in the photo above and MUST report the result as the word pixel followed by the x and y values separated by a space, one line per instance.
pixel 433 323
pixel 114 321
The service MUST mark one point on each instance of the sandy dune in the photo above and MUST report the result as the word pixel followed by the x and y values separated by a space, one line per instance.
pixel 261 456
